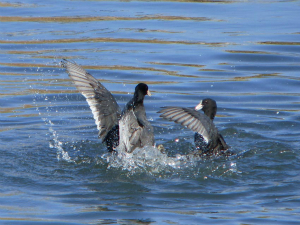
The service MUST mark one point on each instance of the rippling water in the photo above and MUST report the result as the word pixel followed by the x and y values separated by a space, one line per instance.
pixel 243 54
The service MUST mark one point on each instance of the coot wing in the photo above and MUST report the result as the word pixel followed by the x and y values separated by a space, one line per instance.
pixel 192 119
pixel 104 107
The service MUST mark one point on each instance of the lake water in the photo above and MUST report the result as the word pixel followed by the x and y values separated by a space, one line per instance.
pixel 243 54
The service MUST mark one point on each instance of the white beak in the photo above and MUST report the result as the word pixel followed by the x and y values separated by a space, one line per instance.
pixel 199 106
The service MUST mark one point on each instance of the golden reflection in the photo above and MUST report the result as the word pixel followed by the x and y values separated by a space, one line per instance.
pixel 27 65
pixel 185 212
pixel 98 208
pixel 62 51
pixel 38 91
pixel 212 70
pixel 114 67
pixel 26 115
pixel 250 52
pixel 225 64
pixel 143 30
pixel 118 67
pixel 28 219
pixel 284 110
pixel 176 64
pixel 9 110
pixel 63 19
pixel 278 43
pixel 148 82
pixel 18 110
pixel 57 57
pixel 119 40
pixel 15 109
pixel 238 33
pixel 69 84
pixel 246 78
pixel 45 51
pixel 6 4
pixel 15 74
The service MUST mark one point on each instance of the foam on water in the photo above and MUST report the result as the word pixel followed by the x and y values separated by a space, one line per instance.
pixel 148 158
pixel 152 161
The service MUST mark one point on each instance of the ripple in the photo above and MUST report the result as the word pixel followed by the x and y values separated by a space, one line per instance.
pixel 79 19
pixel 187 50
pixel 278 43
pixel 118 40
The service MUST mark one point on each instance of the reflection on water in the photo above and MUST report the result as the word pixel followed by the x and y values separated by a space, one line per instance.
pixel 119 40
pixel 59 19
pixel 56 170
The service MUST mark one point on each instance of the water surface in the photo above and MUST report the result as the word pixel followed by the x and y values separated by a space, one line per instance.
pixel 243 54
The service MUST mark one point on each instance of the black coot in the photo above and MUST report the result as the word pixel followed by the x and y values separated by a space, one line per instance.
pixel 129 128
pixel 207 138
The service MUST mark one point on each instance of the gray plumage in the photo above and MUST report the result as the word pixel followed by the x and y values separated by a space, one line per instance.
pixel 106 111
pixel 191 119
pixel 135 129
pixel 207 137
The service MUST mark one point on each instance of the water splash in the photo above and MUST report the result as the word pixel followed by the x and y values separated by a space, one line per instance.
pixel 151 160
pixel 61 154
pixel 54 143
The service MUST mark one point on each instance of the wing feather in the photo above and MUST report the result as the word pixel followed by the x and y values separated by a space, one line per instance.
pixel 104 107
pixel 191 119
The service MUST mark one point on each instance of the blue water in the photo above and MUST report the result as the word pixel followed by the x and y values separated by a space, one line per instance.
pixel 243 54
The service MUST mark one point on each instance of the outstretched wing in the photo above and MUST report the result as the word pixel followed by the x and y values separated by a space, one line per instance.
pixel 190 118
pixel 104 107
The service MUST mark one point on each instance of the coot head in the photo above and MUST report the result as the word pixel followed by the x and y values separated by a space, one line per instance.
pixel 140 91
pixel 208 106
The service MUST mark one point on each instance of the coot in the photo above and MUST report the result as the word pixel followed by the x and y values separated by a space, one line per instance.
pixel 130 128
pixel 207 138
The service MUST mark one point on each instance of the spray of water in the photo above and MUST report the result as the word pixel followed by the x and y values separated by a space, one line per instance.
pixel 54 143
